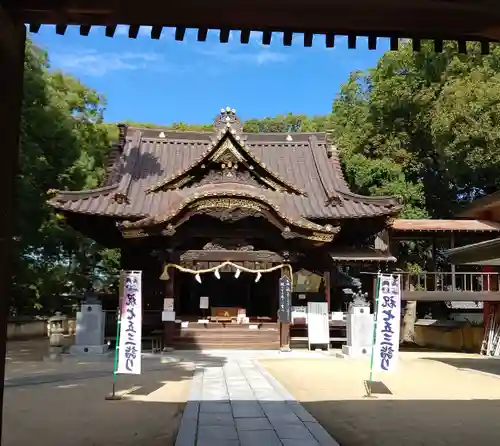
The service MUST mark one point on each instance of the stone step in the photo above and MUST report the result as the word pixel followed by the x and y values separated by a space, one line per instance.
pixel 225 345
pixel 229 326
pixel 227 335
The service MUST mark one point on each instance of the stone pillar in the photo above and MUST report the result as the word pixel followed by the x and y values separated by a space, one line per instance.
pixel 90 325
pixel 12 43
pixel 359 329
pixel 169 325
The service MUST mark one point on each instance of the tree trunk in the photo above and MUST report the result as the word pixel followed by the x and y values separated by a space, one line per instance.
pixel 409 319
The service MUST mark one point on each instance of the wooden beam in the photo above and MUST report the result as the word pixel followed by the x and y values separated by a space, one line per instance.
pixel 233 256
pixel 446 296
pixel 423 19
pixel 12 44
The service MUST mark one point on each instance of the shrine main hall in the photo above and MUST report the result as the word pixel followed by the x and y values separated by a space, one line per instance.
pixel 214 219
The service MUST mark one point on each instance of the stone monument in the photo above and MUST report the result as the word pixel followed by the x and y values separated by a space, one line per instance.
pixel 359 328
pixel 90 322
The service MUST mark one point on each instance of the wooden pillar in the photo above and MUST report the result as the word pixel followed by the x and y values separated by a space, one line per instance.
pixel 169 326
pixel 127 257
pixel 285 327
pixel 453 268
pixel 12 43
pixel 326 279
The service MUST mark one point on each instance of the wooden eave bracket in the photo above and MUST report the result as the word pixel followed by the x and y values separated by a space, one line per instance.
pixel 312 231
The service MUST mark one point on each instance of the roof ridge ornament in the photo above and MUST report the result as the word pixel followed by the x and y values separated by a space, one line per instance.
pixel 227 119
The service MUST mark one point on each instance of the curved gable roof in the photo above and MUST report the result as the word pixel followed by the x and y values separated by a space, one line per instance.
pixel 304 164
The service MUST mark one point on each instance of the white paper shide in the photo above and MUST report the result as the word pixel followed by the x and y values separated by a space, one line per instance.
pixel 386 348
pixel 129 349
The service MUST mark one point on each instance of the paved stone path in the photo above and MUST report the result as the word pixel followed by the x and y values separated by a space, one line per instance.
pixel 240 404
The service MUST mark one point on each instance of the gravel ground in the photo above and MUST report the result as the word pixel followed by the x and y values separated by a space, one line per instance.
pixel 437 399
pixel 61 404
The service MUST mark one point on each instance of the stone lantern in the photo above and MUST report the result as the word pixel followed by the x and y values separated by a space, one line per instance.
pixel 56 336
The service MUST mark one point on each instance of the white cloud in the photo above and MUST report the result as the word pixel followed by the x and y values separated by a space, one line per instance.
pixel 93 63
pixel 261 56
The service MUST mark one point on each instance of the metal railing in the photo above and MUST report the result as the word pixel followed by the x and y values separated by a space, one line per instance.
pixel 449 282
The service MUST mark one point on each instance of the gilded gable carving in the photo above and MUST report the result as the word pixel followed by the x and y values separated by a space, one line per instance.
pixel 228 203
pixel 227 153
pixel 233 176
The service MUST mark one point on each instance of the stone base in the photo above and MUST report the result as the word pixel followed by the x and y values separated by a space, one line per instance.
pixel 89 350
pixel 54 354
pixel 353 351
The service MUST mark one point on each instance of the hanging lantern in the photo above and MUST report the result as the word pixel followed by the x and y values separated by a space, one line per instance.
pixel 216 273
pixel 197 278
pixel 259 275
pixel 237 273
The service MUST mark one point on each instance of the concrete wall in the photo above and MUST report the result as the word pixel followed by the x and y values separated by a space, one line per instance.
pixel 34 328
pixel 452 336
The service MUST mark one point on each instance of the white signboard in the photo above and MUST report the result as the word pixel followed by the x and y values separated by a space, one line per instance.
pixel 386 347
pixel 168 304
pixel 318 328
pixel 129 348
pixel 168 316
pixel 204 302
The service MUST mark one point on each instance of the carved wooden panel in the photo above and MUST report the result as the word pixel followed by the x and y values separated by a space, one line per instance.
pixel 221 244
pixel 227 175
pixel 233 256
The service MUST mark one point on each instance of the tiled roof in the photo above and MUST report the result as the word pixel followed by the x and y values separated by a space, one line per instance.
pixel 362 255
pixel 486 252
pixel 478 206
pixel 307 163
pixel 407 225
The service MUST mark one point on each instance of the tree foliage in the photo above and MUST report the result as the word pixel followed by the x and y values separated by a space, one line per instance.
pixel 433 117
pixel 63 145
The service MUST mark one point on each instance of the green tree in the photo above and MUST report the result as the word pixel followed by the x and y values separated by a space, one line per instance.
pixel 63 146
pixel 422 126
pixel 434 114
pixel 285 123
pixel 370 173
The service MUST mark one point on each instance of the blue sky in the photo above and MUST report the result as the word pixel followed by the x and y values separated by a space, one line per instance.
pixel 164 81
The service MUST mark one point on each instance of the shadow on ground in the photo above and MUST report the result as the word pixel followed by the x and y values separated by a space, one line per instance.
pixel 94 421
pixel 67 405
pixel 485 364
pixel 431 404
pixel 383 422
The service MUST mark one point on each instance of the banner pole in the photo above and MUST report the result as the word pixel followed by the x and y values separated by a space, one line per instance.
pixel 375 309
pixel 114 396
